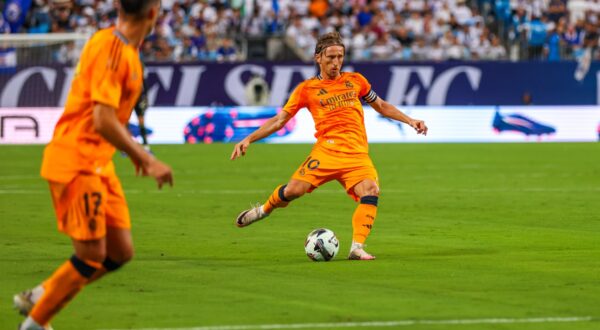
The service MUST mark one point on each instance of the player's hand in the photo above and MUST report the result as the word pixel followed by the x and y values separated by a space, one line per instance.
pixel 240 149
pixel 160 171
pixel 139 170
pixel 419 126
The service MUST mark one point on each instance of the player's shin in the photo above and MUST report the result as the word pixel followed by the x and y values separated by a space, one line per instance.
pixel 61 287
pixel 363 218
pixel 276 200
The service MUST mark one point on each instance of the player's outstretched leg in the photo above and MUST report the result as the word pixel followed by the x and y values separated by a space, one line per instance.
pixel 362 222
pixel 41 303
pixel 56 292
pixel 259 212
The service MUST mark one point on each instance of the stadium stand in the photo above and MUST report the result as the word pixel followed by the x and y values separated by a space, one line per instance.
pixel 219 30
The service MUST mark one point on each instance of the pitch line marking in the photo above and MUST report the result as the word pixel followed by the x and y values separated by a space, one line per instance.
pixel 380 324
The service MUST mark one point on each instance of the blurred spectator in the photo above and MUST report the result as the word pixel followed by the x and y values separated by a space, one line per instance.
pixel 496 50
pixel 4 27
pixel 557 9
pixel 364 16
pixel 105 21
pixel 162 50
pixel 553 45
pixel 39 18
pixel 62 16
pixel 572 39
pixel 147 52
pixel 68 54
pixel 209 53
pixel 462 13
pixel 419 50
pixel 536 38
pixel 360 42
pixel 86 23
pixel 590 40
pixel 227 51
pixel 481 47
pixel 436 53
pixel 385 48
pixel 456 51
pixel 189 50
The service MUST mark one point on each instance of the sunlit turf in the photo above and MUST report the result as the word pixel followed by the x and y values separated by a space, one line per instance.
pixel 464 231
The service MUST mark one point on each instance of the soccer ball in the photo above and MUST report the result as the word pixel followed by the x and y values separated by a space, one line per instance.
pixel 321 245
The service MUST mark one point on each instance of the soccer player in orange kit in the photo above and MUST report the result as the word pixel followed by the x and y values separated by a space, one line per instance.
pixel 88 198
pixel 341 152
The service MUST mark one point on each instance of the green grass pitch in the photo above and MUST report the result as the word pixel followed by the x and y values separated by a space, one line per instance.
pixel 464 231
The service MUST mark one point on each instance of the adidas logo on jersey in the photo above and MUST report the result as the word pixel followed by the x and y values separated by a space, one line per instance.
pixel 322 92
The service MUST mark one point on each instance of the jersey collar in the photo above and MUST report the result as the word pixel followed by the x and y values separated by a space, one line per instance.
pixel 121 36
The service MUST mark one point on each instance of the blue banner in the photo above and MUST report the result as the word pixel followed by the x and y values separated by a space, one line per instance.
pixel 404 83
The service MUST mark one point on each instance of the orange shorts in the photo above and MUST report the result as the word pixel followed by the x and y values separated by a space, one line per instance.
pixel 322 166
pixel 89 203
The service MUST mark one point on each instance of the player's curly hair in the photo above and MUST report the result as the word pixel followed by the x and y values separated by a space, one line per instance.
pixel 329 39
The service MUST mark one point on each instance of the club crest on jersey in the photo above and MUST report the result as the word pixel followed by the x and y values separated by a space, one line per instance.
pixel 349 84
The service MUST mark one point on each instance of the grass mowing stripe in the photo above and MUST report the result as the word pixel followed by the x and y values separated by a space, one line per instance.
pixel 383 324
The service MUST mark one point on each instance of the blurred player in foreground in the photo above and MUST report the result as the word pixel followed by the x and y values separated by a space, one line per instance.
pixel 140 111
pixel 88 198
pixel 341 152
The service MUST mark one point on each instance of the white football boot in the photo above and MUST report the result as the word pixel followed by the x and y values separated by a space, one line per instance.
pixel 23 303
pixel 250 216
pixel 357 252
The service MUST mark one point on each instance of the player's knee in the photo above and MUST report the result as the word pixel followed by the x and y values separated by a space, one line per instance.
pixel 125 255
pixel 292 192
pixel 112 263
pixel 369 191
pixel 93 255
pixel 374 191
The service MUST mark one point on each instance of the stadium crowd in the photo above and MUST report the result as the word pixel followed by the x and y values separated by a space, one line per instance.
pixel 214 30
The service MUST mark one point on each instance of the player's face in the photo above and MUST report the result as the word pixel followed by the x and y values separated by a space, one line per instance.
pixel 330 61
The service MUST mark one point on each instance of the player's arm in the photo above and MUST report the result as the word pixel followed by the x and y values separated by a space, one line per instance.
pixel 390 111
pixel 108 126
pixel 271 126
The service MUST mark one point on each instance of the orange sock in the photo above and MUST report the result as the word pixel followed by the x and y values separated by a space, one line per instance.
pixel 277 199
pixel 363 218
pixel 61 287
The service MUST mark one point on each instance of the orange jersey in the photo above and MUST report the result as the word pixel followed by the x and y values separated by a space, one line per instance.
pixel 336 109
pixel 109 72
